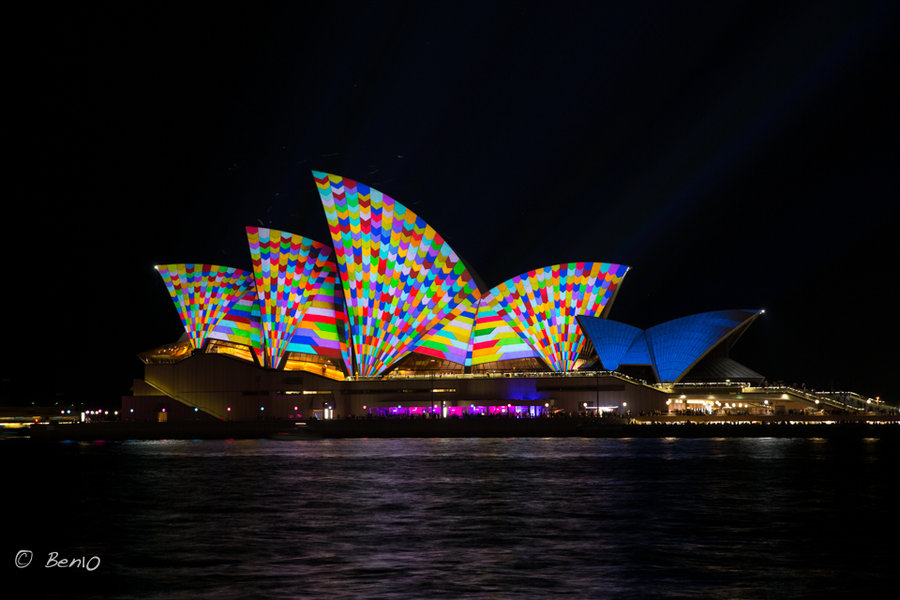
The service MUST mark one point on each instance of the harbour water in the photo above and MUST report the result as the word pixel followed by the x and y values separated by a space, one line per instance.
pixel 454 518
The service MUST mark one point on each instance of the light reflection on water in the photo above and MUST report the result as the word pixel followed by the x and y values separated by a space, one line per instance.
pixel 464 518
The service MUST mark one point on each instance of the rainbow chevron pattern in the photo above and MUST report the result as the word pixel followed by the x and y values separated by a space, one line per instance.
pixel 396 287
pixel 289 270
pixel 493 340
pixel 323 329
pixel 400 279
pixel 242 323
pixel 451 340
pixel 203 294
pixel 541 306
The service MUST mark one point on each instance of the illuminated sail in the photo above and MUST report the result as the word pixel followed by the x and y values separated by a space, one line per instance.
pixel 542 306
pixel 289 270
pixel 400 279
pixel 203 294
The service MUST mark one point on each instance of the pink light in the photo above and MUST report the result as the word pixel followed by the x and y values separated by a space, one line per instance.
pixel 164 410
pixel 228 409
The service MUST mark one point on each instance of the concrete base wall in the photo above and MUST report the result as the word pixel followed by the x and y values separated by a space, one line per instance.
pixel 229 389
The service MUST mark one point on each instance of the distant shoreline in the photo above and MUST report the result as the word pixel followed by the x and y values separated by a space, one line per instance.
pixel 435 428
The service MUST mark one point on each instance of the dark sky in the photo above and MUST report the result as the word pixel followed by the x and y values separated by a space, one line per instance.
pixel 735 154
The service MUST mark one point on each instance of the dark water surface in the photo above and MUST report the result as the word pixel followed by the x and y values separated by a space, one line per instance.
pixel 455 518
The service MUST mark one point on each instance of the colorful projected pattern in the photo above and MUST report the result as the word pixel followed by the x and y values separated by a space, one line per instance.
pixel 611 339
pixel 493 340
pixel 400 279
pixel 678 344
pixel 289 270
pixel 242 323
pixel 451 339
pixel 203 294
pixel 542 305
pixel 323 329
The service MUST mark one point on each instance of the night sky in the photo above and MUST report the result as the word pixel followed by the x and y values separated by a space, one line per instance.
pixel 734 154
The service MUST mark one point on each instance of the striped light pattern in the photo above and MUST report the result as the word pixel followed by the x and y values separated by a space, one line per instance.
pixel 203 294
pixel 323 330
pixel 542 305
pixel 242 323
pixel 400 279
pixel 289 270
pixel 493 340
pixel 452 339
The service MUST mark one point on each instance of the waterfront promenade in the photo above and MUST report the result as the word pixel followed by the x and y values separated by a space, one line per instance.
pixel 578 426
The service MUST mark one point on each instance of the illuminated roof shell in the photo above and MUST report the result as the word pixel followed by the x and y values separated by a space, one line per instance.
pixel 403 289
pixel 542 305
pixel 672 348
pixel 400 279
pixel 203 295
pixel 289 270
pixel 451 340
pixel 638 353
pixel 679 344
pixel 612 340
pixel 493 340
pixel 323 329
pixel 241 324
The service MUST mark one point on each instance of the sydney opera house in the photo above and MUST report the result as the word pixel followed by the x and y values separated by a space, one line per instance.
pixel 388 320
